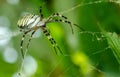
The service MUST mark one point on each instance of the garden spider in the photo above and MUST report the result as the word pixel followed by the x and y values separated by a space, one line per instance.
pixel 31 23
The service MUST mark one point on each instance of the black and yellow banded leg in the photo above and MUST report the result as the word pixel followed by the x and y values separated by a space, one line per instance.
pixel 70 23
pixel 30 39
pixel 41 15
pixel 56 15
pixel 50 38
pixel 65 21
pixel 21 45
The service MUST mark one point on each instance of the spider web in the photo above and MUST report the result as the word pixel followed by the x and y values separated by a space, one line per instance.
pixel 95 36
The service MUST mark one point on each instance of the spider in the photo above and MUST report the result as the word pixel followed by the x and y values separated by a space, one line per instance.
pixel 31 23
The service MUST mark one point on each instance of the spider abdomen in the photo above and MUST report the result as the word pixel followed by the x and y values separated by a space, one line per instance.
pixel 28 22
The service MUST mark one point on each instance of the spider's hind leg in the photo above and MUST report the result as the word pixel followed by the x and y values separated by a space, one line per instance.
pixel 21 44
pixel 30 39
pixel 50 38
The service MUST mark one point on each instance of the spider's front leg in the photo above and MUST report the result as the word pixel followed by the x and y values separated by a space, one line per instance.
pixel 63 19
pixel 57 15
pixel 40 11
pixel 50 38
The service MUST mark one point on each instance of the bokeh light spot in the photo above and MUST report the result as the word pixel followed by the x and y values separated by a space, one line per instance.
pixel 10 55
pixel 4 36
pixel 30 65
pixel 13 2
pixel 4 21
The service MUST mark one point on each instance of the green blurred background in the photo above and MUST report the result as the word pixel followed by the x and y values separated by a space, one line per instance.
pixel 90 53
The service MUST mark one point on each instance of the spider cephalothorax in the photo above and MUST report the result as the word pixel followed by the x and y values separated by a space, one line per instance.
pixel 31 22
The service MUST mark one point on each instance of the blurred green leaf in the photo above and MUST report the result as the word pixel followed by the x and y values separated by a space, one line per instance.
pixel 114 43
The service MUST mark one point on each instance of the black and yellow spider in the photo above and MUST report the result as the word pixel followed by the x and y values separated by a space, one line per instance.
pixel 32 23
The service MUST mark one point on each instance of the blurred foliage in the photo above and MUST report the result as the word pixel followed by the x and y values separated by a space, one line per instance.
pixel 91 53
pixel 114 42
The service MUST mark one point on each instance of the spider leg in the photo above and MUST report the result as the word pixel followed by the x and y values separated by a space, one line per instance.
pixel 21 45
pixel 50 38
pixel 65 20
pixel 60 20
pixel 30 39
pixel 82 29
pixel 41 15
pixel 56 15
pixel 53 42
pixel 70 23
